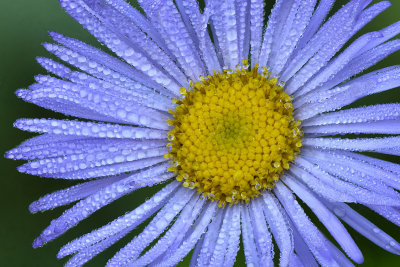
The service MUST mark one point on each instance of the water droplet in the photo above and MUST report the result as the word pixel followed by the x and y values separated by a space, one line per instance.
pixel 161 224
pixel 276 164
pixel 339 211
pixel 129 52
pixel 35 165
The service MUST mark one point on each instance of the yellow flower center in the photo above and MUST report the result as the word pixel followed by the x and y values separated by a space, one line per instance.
pixel 233 135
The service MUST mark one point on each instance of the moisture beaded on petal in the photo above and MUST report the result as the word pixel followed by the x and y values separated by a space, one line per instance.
pixel 233 134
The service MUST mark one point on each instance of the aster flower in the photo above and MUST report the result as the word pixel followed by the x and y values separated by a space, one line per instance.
pixel 244 125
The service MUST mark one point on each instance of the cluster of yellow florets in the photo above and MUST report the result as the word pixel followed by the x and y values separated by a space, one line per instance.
pixel 233 134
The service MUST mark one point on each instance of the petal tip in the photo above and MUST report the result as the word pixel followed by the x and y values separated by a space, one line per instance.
pixel 38 242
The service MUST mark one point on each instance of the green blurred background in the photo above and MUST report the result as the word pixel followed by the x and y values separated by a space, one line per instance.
pixel 23 28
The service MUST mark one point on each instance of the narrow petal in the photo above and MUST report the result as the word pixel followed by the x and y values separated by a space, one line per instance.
pixel 225 24
pixel 388 166
pixel 262 234
pixel 353 172
pixel 297 18
pixel 340 258
pixel 278 223
pixel 256 29
pixel 364 227
pixel 390 213
pixel 87 129
pixel 89 58
pixel 141 21
pixel 355 66
pixel 317 19
pixel 242 11
pixel 192 239
pixel 295 261
pixel 383 112
pixel 179 39
pixel 380 145
pixel 322 183
pixel 196 252
pixel 380 127
pixel 324 44
pixel 79 166
pixel 362 164
pixel 94 202
pixel 234 238
pixel 117 85
pixel 74 100
pixel 249 244
pixel 334 184
pixel 134 93
pixel 82 13
pixel 120 74
pixel 177 231
pixel 275 22
pixel 86 254
pixel 128 221
pixel 54 67
pixel 126 29
pixel 301 249
pixel 371 83
pixel 156 227
pixel 46 139
pixel 196 23
pixel 338 63
pixel 309 232
pixel 71 194
pixel 370 13
pixel 363 61
pixel 106 170
pixel 79 145
pixel 210 239
pixel 328 219
pixel 221 245
pixel 387 34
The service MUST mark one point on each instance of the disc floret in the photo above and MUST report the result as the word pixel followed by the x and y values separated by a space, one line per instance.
pixel 233 134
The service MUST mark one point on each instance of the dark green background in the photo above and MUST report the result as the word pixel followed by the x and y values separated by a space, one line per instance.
pixel 23 27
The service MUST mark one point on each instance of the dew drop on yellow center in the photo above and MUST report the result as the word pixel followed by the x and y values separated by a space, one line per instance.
pixel 233 135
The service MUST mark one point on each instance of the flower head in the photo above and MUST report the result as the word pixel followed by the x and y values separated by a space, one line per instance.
pixel 242 124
